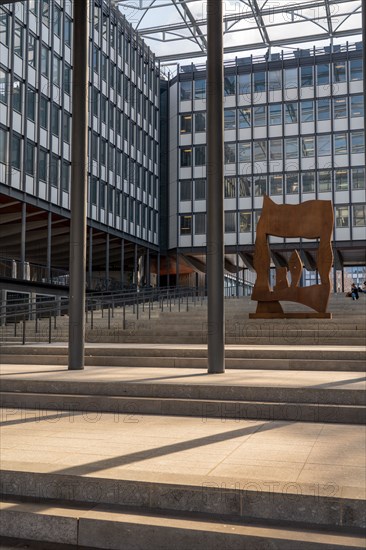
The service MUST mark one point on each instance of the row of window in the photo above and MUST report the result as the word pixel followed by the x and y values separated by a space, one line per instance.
pixel 261 81
pixel 246 221
pixel 261 150
pixel 308 181
pixel 274 114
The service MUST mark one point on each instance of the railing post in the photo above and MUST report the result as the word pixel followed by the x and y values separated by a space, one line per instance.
pixel 50 329
pixel 124 316
pixel 149 309
pixel 15 327
pixel 92 316
pixel 187 302
pixel 24 330
pixel 109 316
pixel 36 325
pixel 137 307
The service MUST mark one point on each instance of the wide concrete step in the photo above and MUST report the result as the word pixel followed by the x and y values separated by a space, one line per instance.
pixel 110 527
pixel 154 361
pixel 199 407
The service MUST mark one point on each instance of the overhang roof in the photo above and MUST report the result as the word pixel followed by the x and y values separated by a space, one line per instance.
pixel 177 29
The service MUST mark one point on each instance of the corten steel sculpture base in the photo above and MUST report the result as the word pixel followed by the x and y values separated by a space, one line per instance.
pixel 310 220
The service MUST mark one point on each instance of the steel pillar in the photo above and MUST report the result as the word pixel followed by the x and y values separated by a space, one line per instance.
pixel 90 266
pixel 122 263
pixel 23 239
pixel 107 260
pixel 215 199
pixel 79 163
pixel 49 245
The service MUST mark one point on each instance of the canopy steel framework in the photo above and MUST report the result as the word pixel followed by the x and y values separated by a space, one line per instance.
pixel 177 29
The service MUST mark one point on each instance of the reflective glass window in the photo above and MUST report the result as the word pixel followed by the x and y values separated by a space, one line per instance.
pixel 185 124
pixel 18 39
pixel 229 85
pixel 245 222
pixel 308 182
pixel 275 80
pixel 291 78
pixel 324 181
pixel 260 150
pixel 292 183
pixel 229 153
pixel 200 89
pixel 186 157
pixel 276 184
pixel 356 72
pixel 244 114
pixel 323 106
pixel 245 185
pixel 308 146
pixel 244 84
pixel 200 189
pixel 200 155
pixel 341 179
pixel 291 113
pixel 275 114
pixel 185 90
pixel 259 115
pixel 229 119
pixel 200 223
pixel 358 178
pixel 357 105
pixel 323 145
pixel 260 186
pixel 307 77
pixel 322 73
pixel 186 225
pixel 230 187
pixel 357 142
pixel 342 216
pixel 259 81
pixel 292 148
pixel 275 146
pixel 307 110
pixel 340 107
pixel 359 215
pixel 230 225
pixel 340 144
pixel 339 71
pixel 200 122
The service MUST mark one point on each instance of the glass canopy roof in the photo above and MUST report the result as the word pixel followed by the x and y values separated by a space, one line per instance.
pixel 176 30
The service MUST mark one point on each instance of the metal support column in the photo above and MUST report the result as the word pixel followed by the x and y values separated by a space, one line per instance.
pixel 158 271
pixel 135 267
pixel 122 263
pixel 49 245
pixel 107 262
pixel 90 266
pixel 148 278
pixel 215 177
pixel 23 239
pixel 79 165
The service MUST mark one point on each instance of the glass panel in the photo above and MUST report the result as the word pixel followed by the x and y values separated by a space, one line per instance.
pixel 340 144
pixel 230 187
pixel 339 71
pixel 244 117
pixel 244 84
pixel 308 146
pixel 17 95
pixel 340 107
pixel 44 61
pixel 185 124
pixel 230 226
pixel 32 51
pixel 4 33
pixel 292 183
pixel 200 89
pixel 3 145
pixel 3 86
pixel 325 181
pixel 275 149
pixel 259 115
pixel 358 178
pixel 31 104
pixel 356 72
pixel 323 109
pixel 291 113
pixel 29 160
pixel 200 155
pixel 18 39
pixel 307 78
pixel 307 111
pixel 186 225
pixel 200 189
pixel 276 184
pixel 275 80
pixel 292 148
pixel 291 78
pixel 200 223
pixel 357 142
pixel 260 150
pixel 259 82
pixel 245 152
pixel 245 185
pixel 186 190
pixel 200 122
pixel 359 215
pixel 275 114
pixel 229 85
pixel 229 119
pixel 322 74
pixel 341 179
pixel 245 222
pixel 357 105
pixel 260 186
pixel 324 145
pixel 15 152
pixel 185 90
pixel 186 157
pixel 342 216
pixel 229 153
pixel 308 182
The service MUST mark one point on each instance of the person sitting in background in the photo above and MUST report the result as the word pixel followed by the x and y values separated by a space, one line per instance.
pixel 354 292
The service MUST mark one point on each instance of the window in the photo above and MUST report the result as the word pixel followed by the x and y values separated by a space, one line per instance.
pixel 307 77
pixel 260 150
pixel 340 107
pixel 55 119
pixel 323 145
pixel 44 60
pixel 342 216
pixel 357 142
pixel 276 184
pixel 229 85
pixel 275 114
pixel 102 190
pixel 245 151
pixel 103 114
pixel 104 66
pixel 244 84
pixel 340 144
pixel 16 152
pixel 42 164
pixel 185 157
pixel 359 215
pixel 275 80
pixel 185 91
pixel 67 79
pixel 230 225
pixel 66 127
pixel 292 183
pixel 200 122
pixel 308 146
pixel 307 111
pixel 339 71
pixel 245 222
pixel 229 153
pixel 200 155
pixel 356 72
pixel 93 190
pixel 3 145
pixel 322 72
pixel 200 89
pixel 186 225
pixel 308 182
pixel 245 186
pixel 229 119
pixel 291 148
pixel 56 20
pixel 103 151
pixel 4 29
pixel 33 7
pixel 46 12
pixel 17 95
pixel 244 114
pixel 65 182
pixel 185 190
pixel 67 31
pixel 110 203
pixel 200 224
pixel 29 158
pixel 341 179
pixel 325 181
pixel 259 81
pixel 357 106
pixel 32 50
pixel 200 189
pixel 185 124
pixel 95 58
pixel 323 109
pixel 291 113
pixel 18 39
pixel 275 149
pixel 3 86
pixel 259 115
pixel 31 104
pixel 358 178
pixel 291 78
pixel 56 66
pixel 229 187
pixel 43 115
pixel 54 180
pixel 260 186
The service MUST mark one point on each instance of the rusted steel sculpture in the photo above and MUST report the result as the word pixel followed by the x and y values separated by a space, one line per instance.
pixel 310 220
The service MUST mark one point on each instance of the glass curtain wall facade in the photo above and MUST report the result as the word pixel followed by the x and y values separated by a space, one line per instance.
pixel 293 129
pixel 36 114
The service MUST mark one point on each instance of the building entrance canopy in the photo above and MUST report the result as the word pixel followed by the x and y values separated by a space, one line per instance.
pixel 176 30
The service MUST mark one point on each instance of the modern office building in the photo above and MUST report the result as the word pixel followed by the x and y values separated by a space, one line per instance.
pixel 294 129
